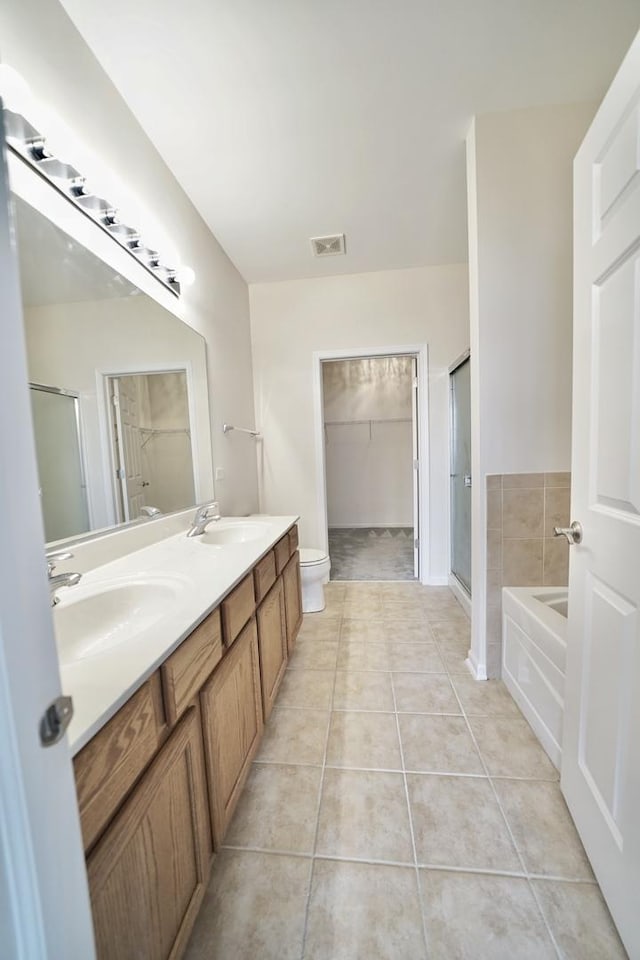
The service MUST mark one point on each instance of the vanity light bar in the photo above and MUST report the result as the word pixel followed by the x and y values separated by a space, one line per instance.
pixel 31 146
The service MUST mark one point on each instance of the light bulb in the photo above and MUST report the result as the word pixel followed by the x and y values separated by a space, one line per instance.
pixel 186 276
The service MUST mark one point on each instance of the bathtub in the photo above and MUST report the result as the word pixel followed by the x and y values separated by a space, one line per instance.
pixel 534 631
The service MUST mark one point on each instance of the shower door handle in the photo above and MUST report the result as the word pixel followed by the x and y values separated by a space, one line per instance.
pixel 467 479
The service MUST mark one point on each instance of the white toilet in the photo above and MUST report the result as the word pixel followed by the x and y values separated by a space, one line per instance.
pixel 314 573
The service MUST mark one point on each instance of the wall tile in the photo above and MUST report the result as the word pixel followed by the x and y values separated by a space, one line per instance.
pixel 522 513
pixel 494 624
pixel 522 563
pixel 494 549
pixel 557 506
pixel 494 509
pixel 556 562
pixel 494 660
pixel 494 587
pixel 557 479
pixel 514 480
pixel 494 481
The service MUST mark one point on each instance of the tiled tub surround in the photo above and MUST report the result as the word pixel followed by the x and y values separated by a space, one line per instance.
pixel 522 510
pixel 398 809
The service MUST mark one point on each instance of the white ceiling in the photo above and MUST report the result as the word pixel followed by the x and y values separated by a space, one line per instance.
pixel 287 119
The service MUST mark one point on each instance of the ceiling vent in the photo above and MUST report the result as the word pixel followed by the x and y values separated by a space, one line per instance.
pixel 328 246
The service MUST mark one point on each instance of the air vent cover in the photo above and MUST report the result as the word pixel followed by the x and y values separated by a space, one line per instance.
pixel 328 246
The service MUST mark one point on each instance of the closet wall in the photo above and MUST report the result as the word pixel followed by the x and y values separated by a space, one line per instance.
pixel 368 441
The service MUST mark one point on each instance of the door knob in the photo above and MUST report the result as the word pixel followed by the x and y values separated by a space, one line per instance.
pixel 572 533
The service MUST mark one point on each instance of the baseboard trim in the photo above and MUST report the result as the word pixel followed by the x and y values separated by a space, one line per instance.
pixel 477 670
pixel 436 581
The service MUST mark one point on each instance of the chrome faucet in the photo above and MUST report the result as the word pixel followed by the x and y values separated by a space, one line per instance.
pixel 204 515
pixel 150 512
pixel 60 579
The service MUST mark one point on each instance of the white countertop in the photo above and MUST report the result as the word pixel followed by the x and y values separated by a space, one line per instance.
pixel 100 684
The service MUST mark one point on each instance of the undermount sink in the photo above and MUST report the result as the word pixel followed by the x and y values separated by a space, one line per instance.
pixel 223 532
pixel 89 621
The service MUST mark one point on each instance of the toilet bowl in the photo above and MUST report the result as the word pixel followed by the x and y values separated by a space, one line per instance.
pixel 314 573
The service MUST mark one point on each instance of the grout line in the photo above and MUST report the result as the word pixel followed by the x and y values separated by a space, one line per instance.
pixel 411 830
pixel 511 834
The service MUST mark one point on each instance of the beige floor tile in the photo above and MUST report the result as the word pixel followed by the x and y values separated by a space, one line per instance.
pixel 364 656
pixel 360 911
pixel 418 657
pixel 315 627
pixel 543 829
pixel 451 630
pixel 437 594
pixel 479 917
pixel 254 907
pixel 400 590
pixel 363 631
pixel 277 809
pixel 510 748
pixel 424 693
pixel 437 610
pixel 294 736
pixel 362 691
pixel 579 920
pixel 363 815
pixel 454 655
pixel 403 610
pixel 334 589
pixel 437 744
pixel 310 689
pixel 332 609
pixel 312 655
pixel 366 608
pixel 359 590
pixel 457 823
pixel 485 698
pixel 408 631
pixel 364 740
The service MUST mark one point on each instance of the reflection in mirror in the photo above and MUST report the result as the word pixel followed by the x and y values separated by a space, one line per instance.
pixel 118 389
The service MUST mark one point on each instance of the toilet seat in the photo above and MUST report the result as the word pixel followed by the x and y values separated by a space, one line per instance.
pixel 310 557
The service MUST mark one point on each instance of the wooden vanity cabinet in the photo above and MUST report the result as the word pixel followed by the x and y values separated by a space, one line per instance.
pixel 272 644
pixel 292 598
pixel 148 872
pixel 232 722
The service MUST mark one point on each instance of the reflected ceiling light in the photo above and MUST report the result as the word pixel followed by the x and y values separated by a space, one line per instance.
pixel 23 116
pixel 186 276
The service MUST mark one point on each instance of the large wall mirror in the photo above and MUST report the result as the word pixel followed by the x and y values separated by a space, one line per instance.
pixel 118 388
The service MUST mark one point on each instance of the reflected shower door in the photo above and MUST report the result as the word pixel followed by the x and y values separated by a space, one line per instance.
pixel 60 471
pixel 461 474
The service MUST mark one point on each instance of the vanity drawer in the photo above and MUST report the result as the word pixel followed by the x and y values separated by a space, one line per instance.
pixel 185 671
pixel 293 540
pixel 237 608
pixel 264 574
pixel 109 765
pixel 282 553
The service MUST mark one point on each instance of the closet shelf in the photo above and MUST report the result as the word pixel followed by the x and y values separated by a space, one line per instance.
pixel 152 432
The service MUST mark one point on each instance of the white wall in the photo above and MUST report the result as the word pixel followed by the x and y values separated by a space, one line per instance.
pixel 519 177
pixel 368 441
pixel 68 343
pixel 39 41
pixel 291 320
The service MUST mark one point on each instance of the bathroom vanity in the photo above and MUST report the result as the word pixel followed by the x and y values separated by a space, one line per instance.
pixel 158 780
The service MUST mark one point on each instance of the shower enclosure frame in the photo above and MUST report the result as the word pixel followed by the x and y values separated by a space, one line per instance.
pixel 421 352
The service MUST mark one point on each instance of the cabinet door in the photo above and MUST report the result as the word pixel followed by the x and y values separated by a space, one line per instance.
pixel 232 723
pixel 292 598
pixel 272 643
pixel 148 873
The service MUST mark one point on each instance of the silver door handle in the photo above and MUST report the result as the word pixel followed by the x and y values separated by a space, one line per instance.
pixel 467 479
pixel 572 533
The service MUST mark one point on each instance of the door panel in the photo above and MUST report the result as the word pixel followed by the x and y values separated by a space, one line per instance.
pixel 601 762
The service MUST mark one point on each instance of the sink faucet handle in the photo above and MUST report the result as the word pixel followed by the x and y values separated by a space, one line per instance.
pixel 55 557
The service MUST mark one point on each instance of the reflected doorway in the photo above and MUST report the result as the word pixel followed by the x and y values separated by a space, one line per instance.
pixel 150 443
pixel 460 491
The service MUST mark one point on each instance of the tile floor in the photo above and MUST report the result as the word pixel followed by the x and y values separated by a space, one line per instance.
pixel 371 553
pixel 397 809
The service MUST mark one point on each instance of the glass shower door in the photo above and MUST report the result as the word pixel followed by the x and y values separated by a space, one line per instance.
pixel 461 474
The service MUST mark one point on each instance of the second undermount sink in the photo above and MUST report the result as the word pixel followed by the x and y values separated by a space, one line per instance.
pixel 225 531
pixel 91 620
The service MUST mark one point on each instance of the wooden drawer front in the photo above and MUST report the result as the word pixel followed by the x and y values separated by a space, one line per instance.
pixel 148 874
pixel 282 553
pixel 293 540
pixel 292 598
pixel 110 764
pixel 272 642
pixel 232 726
pixel 237 608
pixel 186 670
pixel 264 574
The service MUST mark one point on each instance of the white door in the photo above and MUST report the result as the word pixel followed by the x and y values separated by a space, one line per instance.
pixel 128 445
pixel 44 903
pixel 415 426
pixel 601 752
